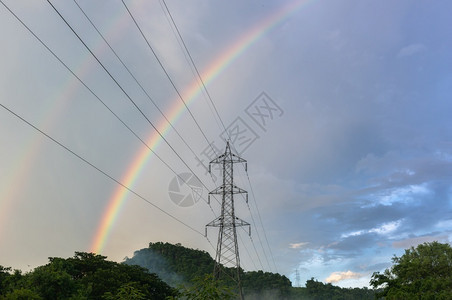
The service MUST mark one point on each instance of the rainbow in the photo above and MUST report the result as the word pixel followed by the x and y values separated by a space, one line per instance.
pixel 56 106
pixel 224 60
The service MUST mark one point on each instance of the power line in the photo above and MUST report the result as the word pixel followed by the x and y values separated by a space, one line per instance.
pixel 132 103
pixel 247 251
pixel 255 224
pixel 167 74
pixel 97 168
pixel 193 63
pixel 258 235
pixel 260 219
pixel 135 79
pixel 125 93
pixel 93 93
pixel 224 127
pixel 199 76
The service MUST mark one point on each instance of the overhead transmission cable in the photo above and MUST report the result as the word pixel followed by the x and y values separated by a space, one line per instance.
pixel 190 60
pixel 167 75
pixel 225 130
pixel 248 252
pixel 260 219
pixel 135 79
pixel 198 74
pixel 258 236
pixel 92 92
pixel 97 168
pixel 125 93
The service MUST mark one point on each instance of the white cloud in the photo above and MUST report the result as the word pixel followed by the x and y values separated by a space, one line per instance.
pixel 386 228
pixel 354 233
pixel 404 194
pixel 298 245
pixel 339 276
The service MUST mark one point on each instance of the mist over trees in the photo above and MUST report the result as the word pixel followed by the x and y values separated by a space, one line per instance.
pixel 167 271
pixel 183 266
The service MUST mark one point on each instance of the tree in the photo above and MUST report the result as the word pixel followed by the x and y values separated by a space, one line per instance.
pixel 84 276
pixel 22 294
pixel 424 272
pixel 206 287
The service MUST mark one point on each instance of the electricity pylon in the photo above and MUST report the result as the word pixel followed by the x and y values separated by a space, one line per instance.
pixel 297 278
pixel 227 255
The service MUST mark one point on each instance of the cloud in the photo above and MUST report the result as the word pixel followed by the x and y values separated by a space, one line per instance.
pixel 298 245
pixel 411 50
pixel 386 228
pixel 414 241
pixel 339 276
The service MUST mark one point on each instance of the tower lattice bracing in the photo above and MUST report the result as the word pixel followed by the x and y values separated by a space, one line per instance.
pixel 227 259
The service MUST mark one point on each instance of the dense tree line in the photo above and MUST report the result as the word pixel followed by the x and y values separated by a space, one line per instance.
pixel 178 265
pixel 84 276
pixel 175 264
pixel 424 272
pixel 316 290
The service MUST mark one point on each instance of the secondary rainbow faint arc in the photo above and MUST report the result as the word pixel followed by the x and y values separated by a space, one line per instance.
pixel 209 74
pixel 60 100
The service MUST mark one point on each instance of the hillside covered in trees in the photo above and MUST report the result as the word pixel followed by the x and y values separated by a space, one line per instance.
pixel 178 265
pixel 161 271
pixel 167 271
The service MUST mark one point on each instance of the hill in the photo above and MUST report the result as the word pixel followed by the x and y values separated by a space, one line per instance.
pixel 154 273
pixel 176 265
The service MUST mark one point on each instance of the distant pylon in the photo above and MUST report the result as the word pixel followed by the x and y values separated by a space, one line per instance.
pixel 227 255
pixel 297 278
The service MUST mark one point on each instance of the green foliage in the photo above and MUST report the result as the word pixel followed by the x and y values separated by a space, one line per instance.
pixel 126 291
pixel 86 276
pixel 175 264
pixel 178 265
pixel 21 294
pixel 316 290
pixel 8 281
pixel 424 272
pixel 51 282
pixel 4 277
pixel 206 287
pixel 89 276
pixel 259 283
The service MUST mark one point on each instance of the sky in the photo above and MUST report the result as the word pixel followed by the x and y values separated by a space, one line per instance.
pixel 341 109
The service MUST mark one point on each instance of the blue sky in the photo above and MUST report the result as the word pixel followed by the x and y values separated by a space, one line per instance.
pixel 354 166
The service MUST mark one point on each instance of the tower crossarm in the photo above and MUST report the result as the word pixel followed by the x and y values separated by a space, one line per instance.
pixel 219 222
pixel 241 223
pixel 237 190
pixel 231 158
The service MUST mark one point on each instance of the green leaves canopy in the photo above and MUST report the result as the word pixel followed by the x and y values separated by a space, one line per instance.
pixel 424 271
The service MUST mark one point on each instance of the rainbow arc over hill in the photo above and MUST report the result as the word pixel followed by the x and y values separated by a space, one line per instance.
pixel 222 61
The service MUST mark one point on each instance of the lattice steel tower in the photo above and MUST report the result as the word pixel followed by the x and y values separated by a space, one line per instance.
pixel 227 260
